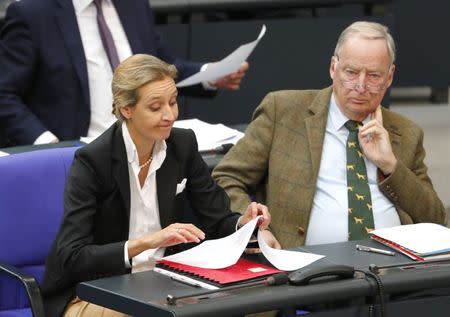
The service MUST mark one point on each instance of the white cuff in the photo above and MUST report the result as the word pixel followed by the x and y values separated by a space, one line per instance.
pixel 205 84
pixel 46 137
pixel 126 259
pixel 237 224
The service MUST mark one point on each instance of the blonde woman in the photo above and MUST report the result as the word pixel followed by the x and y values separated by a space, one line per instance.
pixel 126 192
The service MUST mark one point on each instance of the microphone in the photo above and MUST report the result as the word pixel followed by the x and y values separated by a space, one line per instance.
pixel 276 279
pixel 273 280
pixel 376 268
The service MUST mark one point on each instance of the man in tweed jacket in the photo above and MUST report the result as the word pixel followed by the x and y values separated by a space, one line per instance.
pixel 293 153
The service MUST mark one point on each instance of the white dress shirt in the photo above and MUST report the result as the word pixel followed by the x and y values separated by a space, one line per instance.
pixel 99 70
pixel 144 208
pixel 328 222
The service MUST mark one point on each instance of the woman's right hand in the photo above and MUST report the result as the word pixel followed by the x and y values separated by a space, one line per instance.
pixel 173 234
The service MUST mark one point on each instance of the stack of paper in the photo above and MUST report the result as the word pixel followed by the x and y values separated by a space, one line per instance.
pixel 216 255
pixel 210 136
pixel 421 241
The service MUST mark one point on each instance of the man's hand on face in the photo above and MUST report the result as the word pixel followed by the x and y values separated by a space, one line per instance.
pixel 375 143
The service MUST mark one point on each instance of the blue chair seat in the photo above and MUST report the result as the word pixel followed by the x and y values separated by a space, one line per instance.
pixel 31 208
pixel 25 312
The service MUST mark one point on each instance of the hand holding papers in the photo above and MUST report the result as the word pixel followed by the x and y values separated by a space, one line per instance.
pixel 224 252
pixel 226 66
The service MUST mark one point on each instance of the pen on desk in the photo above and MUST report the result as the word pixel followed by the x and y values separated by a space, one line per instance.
pixel 374 250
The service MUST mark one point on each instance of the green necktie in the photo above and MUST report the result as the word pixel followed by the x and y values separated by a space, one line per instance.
pixel 360 216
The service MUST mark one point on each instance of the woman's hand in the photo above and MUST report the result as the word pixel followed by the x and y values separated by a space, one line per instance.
pixel 173 234
pixel 254 210
pixel 269 238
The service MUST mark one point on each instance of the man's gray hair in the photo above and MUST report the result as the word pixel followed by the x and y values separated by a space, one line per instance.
pixel 367 30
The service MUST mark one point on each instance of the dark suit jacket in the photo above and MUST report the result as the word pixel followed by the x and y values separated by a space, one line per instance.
pixel 91 239
pixel 281 153
pixel 43 72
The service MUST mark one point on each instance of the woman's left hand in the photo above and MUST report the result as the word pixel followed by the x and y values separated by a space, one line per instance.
pixel 254 210
pixel 269 238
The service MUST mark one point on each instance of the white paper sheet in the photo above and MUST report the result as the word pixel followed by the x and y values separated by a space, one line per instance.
pixel 221 253
pixel 286 260
pixel 210 136
pixel 217 253
pixel 226 66
pixel 423 238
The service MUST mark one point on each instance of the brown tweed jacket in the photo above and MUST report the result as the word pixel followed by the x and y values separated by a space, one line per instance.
pixel 279 159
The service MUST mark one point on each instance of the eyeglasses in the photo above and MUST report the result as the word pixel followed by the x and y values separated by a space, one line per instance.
pixel 374 81
pixel 353 85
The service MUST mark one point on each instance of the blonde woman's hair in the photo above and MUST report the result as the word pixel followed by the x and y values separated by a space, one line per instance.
pixel 133 73
pixel 367 30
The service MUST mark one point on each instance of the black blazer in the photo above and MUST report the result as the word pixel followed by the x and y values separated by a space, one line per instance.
pixel 90 242
pixel 43 73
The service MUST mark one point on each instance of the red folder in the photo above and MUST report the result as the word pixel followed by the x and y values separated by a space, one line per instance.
pixel 243 270
pixel 398 248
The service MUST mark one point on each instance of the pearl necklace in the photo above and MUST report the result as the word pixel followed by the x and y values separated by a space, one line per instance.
pixel 146 163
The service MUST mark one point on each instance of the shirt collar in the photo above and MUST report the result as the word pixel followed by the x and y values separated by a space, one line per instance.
pixel 159 150
pixel 81 5
pixel 338 119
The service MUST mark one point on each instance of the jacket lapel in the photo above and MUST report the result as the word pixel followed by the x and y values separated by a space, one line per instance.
pixel 395 138
pixel 394 133
pixel 166 184
pixel 315 127
pixel 68 25
pixel 127 15
pixel 120 167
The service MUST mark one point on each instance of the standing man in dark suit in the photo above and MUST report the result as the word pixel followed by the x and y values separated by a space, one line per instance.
pixel 57 61
pixel 124 197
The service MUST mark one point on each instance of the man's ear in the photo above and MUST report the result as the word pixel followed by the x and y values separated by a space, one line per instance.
pixel 390 75
pixel 126 112
pixel 332 66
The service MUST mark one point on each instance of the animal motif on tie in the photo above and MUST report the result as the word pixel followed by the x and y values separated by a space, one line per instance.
pixel 359 215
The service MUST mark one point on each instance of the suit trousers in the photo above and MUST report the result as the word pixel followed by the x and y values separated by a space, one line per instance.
pixel 80 308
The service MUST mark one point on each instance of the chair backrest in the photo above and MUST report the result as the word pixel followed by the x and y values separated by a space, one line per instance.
pixel 31 208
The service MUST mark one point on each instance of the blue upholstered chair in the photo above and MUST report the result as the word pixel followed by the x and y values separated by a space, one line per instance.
pixel 31 208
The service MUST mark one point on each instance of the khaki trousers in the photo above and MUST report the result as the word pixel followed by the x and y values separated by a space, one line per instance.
pixel 79 308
